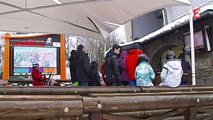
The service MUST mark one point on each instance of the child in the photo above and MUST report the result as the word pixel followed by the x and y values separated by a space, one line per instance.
pixel 95 78
pixel 172 71
pixel 144 73
pixel 38 78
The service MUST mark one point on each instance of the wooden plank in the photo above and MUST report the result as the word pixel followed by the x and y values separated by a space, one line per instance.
pixel 58 90
pixel 191 113
pixel 113 117
pixel 149 94
pixel 18 110
pixel 39 97
pixel 166 114
pixel 184 88
pixel 138 103
pixel 22 90
pixel 209 118
pixel 96 116
pixel 205 110
pixel 141 114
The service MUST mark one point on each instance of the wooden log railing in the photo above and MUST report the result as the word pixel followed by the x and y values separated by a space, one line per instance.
pixel 40 107
pixel 55 90
pixel 181 88
pixel 138 103
pixel 150 94
pixel 73 102
pixel 60 106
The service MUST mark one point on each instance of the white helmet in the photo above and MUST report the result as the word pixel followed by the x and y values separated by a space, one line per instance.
pixel 35 65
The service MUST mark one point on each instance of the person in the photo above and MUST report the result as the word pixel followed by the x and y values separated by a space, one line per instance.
pixel 172 71
pixel 38 78
pixel 95 78
pixel 144 72
pixel 131 62
pixel 124 77
pixel 82 66
pixel 186 68
pixel 106 73
pixel 72 66
pixel 112 66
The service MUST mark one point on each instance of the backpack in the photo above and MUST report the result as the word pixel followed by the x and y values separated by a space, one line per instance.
pixel 108 71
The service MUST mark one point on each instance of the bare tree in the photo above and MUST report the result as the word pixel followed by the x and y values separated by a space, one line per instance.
pixel 94 47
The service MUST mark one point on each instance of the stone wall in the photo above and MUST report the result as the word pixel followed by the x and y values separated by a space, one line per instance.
pixel 204 60
pixel 204 68
pixel 156 48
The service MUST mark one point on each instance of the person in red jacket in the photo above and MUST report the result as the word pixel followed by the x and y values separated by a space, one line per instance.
pixel 38 78
pixel 131 62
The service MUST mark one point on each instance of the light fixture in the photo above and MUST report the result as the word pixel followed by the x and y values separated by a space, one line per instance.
pixel 57 1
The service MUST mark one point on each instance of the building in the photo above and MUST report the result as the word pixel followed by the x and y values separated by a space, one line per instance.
pixel 175 36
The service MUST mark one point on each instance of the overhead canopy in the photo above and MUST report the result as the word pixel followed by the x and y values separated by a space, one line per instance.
pixel 79 17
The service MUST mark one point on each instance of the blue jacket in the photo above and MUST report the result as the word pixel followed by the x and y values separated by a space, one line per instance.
pixel 144 75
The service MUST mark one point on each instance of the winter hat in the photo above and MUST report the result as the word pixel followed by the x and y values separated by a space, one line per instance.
pixel 135 46
pixel 143 58
pixel 170 55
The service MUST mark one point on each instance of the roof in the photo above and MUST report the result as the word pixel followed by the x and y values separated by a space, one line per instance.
pixel 171 26
pixel 92 18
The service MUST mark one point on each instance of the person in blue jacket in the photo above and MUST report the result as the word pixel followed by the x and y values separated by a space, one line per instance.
pixel 144 73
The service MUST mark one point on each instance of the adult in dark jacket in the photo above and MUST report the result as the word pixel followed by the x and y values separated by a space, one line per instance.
pixel 82 66
pixel 186 68
pixel 72 66
pixel 107 69
pixel 95 78
pixel 112 67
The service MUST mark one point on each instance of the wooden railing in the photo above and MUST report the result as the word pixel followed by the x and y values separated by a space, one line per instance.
pixel 105 103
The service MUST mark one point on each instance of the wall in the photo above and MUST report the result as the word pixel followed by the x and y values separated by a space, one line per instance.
pixel 145 24
pixel 173 13
pixel 204 68
pixel 155 49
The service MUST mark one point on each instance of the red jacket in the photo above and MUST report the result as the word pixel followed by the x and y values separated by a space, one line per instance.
pixel 37 78
pixel 131 62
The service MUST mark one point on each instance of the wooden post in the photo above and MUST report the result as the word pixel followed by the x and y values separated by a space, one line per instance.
pixel 62 58
pixel 96 116
pixel 191 113
pixel 6 66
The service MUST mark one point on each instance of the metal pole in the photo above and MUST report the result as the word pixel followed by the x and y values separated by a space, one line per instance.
pixel 192 45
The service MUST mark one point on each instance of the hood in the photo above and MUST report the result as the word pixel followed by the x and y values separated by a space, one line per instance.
pixel 109 54
pixel 174 64
pixel 135 51
pixel 79 53
pixel 123 54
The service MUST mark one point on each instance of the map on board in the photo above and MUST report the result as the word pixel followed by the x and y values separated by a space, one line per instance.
pixel 26 56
